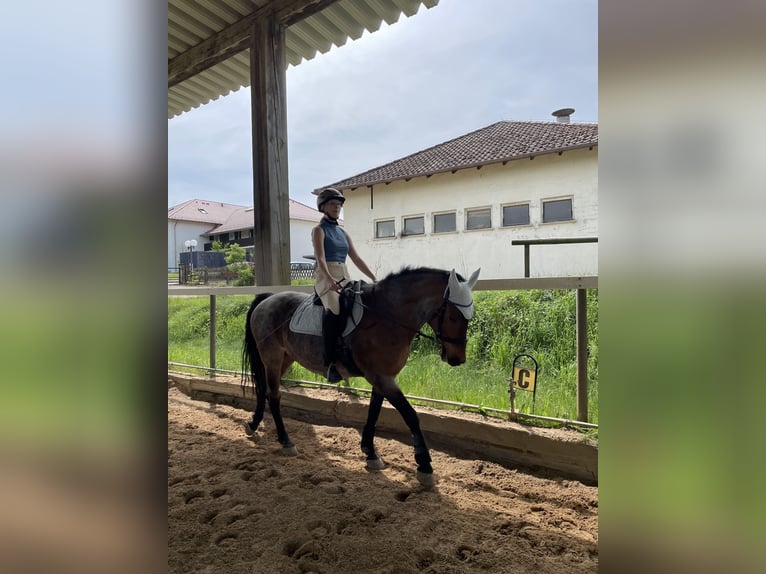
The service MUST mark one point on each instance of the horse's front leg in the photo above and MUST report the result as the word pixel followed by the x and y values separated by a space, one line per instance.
pixel 392 392
pixel 374 462
pixel 275 396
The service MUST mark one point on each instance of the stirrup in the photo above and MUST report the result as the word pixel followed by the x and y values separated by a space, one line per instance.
pixel 332 375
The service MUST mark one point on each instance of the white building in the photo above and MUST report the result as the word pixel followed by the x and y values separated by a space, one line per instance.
pixel 461 203
pixel 207 221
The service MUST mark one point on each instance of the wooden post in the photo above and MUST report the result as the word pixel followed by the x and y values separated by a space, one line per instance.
pixel 526 260
pixel 268 64
pixel 582 355
pixel 212 335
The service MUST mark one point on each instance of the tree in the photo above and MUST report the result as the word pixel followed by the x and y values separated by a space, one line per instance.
pixel 235 259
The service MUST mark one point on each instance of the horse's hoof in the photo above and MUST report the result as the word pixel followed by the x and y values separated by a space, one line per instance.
pixel 375 464
pixel 249 430
pixel 426 480
pixel 289 450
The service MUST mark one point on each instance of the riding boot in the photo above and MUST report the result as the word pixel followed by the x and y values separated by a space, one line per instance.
pixel 331 332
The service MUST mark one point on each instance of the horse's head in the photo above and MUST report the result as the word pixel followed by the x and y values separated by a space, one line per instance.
pixel 450 322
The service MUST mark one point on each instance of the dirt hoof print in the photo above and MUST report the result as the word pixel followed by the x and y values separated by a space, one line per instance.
pixel 334 489
pixel 193 495
pixel 294 545
pixel 402 495
pixel 464 553
pixel 226 539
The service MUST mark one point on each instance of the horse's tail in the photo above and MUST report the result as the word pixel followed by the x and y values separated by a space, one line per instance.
pixel 252 365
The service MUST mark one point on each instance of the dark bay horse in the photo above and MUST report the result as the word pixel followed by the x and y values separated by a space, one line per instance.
pixel 395 309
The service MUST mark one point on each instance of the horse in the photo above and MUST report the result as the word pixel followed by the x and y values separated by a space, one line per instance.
pixel 394 311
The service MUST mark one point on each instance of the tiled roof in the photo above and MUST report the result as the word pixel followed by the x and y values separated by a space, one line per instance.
pixel 242 217
pixel 229 217
pixel 200 210
pixel 499 142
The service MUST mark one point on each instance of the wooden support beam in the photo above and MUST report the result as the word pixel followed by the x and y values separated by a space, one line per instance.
pixel 582 355
pixel 235 38
pixel 269 127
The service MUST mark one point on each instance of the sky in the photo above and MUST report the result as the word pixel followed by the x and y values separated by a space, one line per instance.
pixel 442 73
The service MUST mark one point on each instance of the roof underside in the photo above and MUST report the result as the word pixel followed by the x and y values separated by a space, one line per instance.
pixel 199 28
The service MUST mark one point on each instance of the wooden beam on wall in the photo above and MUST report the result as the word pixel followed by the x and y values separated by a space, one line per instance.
pixel 269 134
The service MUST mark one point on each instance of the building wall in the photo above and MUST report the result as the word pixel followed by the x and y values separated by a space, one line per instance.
pixel 573 174
pixel 179 232
pixel 300 239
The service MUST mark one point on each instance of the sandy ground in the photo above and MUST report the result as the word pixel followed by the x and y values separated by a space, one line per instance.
pixel 238 505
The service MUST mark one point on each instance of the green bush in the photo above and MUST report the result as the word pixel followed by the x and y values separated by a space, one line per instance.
pixel 541 323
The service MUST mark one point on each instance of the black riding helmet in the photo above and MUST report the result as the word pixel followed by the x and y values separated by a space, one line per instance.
pixel 328 194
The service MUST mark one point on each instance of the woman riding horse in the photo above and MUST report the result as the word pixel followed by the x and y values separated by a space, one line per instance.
pixel 331 245
pixel 395 309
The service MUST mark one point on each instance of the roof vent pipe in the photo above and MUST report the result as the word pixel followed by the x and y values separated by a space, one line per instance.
pixel 562 115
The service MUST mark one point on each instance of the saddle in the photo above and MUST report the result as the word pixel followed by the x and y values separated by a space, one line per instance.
pixel 307 319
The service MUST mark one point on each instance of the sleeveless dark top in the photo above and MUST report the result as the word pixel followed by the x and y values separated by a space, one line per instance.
pixel 335 242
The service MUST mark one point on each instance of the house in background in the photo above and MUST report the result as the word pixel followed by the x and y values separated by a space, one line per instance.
pixel 207 221
pixel 459 204
pixel 192 220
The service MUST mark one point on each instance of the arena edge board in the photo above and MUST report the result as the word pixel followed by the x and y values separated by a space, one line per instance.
pixel 503 442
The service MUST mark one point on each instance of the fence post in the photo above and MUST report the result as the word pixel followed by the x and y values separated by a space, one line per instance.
pixel 582 355
pixel 212 335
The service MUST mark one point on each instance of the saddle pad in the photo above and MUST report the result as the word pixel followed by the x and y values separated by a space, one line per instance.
pixel 307 318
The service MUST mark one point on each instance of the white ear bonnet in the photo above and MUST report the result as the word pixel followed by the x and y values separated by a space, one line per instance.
pixel 460 294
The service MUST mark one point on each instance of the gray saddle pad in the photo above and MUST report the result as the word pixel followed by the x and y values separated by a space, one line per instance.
pixel 307 318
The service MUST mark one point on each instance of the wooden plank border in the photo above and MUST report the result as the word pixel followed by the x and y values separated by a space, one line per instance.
pixel 503 442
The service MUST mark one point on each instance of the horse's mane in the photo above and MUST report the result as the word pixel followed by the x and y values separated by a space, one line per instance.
pixel 409 271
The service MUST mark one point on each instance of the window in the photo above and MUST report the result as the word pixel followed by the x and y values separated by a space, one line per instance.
pixel 445 222
pixel 557 210
pixel 478 218
pixel 237 235
pixel 223 237
pixel 385 229
pixel 516 214
pixel 413 226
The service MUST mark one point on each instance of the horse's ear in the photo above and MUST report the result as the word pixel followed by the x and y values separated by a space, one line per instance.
pixel 453 284
pixel 473 278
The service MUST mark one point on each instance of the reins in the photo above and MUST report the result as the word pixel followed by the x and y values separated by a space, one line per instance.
pixel 437 337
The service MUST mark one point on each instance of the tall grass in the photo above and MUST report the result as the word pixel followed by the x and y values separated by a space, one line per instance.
pixel 540 323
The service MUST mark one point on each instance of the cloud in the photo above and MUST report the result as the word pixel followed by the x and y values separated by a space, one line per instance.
pixel 437 75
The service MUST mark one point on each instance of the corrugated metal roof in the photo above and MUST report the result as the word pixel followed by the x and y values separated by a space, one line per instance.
pixel 191 22
pixel 499 142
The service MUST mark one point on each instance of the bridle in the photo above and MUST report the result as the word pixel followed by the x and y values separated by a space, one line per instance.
pixel 440 312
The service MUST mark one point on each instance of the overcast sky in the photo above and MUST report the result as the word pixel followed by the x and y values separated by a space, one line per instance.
pixel 442 73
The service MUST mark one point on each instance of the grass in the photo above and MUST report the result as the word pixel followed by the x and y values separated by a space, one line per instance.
pixel 540 323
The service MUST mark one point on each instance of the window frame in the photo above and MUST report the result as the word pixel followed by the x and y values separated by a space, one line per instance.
pixel 453 213
pixel 473 210
pixel 392 221
pixel 569 198
pixel 515 204
pixel 405 218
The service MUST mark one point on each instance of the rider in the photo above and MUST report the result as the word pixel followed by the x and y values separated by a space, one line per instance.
pixel 331 245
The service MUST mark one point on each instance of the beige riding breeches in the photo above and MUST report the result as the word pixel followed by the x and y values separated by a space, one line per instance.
pixel 331 299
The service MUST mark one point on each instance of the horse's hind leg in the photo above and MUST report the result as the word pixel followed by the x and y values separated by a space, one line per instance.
pixel 260 406
pixel 374 462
